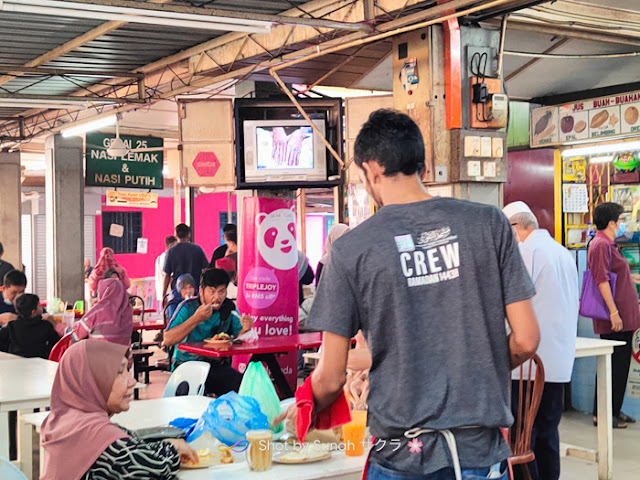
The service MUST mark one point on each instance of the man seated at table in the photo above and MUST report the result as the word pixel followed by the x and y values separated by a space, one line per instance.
pixel 15 283
pixel 204 317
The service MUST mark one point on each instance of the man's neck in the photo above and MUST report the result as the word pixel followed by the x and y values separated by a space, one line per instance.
pixel 183 240
pixel 403 189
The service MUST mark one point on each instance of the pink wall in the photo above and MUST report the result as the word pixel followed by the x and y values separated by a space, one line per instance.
pixel 157 223
pixel 207 219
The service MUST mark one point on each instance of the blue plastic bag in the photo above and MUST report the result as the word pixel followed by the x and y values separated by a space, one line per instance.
pixel 229 418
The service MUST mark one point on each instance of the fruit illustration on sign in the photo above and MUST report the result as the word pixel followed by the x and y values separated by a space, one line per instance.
pixel 599 119
pixel 631 115
pixel 566 124
pixel 542 123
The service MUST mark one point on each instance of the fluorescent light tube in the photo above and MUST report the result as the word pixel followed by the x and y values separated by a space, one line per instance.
pixel 134 15
pixel 89 126
pixel 604 159
pixel 599 149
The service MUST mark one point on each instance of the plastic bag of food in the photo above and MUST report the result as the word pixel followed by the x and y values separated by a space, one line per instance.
pixel 229 417
pixel 257 384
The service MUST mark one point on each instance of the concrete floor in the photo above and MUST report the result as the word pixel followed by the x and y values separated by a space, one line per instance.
pixel 577 429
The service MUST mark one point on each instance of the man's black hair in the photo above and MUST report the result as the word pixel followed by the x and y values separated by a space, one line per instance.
pixel 183 231
pixel 110 272
pixel 230 232
pixel 170 240
pixel 605 213
pixel 26 304
pixel 15 278
pixel 230 227
pixel 1 249
pixel 214 277
pixel 393 140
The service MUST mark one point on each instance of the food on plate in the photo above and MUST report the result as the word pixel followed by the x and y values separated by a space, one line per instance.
pixel 631 115
pixel 205 459
pixel 222 336
pixel 542 123
pixel 580 126
pixel 226 458
pixel 566 124
pixel 599 119
pixel 614 120
pixel 308 452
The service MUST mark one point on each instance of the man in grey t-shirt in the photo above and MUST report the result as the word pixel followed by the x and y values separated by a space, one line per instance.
pixel 429 281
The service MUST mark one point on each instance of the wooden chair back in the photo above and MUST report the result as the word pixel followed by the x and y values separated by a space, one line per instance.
pixel 529 395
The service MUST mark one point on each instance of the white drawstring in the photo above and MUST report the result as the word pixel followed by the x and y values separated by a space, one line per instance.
pixel 451 442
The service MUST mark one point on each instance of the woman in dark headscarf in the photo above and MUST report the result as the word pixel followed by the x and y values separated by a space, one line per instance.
pixel 185 289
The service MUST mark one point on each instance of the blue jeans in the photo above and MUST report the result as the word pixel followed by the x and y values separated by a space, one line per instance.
pixel 378 472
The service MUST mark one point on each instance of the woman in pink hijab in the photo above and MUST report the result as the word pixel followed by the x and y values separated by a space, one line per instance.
pixel 111 318
pixel 80 442
pixel 107 262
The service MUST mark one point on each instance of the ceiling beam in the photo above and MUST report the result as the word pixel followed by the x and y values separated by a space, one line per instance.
pixel 206 66
pixel 71 45
pixel 62 72
pixel 564 98
pixel 532 62
pixel 239 15
pixel 573 31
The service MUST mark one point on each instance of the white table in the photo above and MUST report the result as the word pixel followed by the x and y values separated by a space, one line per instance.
pixel 160 411
pixel 25 384
pixel 9 356
pixel 602 350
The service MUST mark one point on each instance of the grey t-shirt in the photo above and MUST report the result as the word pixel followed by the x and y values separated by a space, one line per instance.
pixel 428 283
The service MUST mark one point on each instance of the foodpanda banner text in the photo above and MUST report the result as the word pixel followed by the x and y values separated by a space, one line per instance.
pixel 268 274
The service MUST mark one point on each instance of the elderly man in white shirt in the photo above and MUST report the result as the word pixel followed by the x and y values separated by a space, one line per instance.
pixel 555 276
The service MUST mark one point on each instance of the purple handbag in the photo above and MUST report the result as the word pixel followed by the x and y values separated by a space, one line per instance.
pixel 592 305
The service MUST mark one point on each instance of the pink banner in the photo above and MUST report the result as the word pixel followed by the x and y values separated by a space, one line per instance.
pixel 268 274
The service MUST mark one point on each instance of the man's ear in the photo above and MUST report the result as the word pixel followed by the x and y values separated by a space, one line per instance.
pixel 375 171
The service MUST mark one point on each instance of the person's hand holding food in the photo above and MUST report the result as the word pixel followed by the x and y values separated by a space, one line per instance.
pixel 204 312
pixel 187 454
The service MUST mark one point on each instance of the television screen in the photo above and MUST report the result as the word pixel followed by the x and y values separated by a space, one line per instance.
pixel 287 147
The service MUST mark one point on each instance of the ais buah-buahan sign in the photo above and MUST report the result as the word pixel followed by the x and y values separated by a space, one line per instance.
pixel 134 170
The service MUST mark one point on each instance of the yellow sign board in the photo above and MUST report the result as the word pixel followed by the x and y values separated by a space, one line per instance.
pixel 132 199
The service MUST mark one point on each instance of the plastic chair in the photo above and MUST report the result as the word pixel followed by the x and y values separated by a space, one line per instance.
pixel 193 374
pixel 8 471
pixel 59 348
pixel 530 395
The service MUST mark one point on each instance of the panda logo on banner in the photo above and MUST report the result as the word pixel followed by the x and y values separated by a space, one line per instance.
pixel 276 242
pixel 276 238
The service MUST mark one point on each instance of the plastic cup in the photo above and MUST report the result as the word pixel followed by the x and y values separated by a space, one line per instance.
pixel 354 433
pixel 68 318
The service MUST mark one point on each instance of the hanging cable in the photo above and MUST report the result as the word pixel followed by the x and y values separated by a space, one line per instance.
pixel 571 57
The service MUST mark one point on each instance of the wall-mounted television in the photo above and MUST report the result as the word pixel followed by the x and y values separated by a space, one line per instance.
pixel 283 151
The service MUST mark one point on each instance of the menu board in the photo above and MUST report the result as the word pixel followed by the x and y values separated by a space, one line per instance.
pixel 589 119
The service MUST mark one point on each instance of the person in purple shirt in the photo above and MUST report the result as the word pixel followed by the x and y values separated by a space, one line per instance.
pixel 603 258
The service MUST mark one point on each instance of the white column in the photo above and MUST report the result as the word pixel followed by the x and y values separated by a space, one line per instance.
pixel 64 183
pixel 10 208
